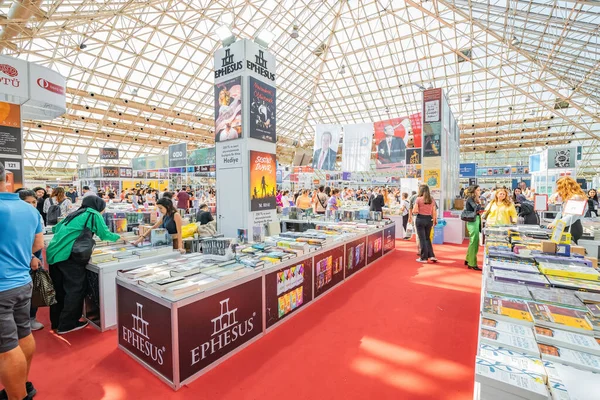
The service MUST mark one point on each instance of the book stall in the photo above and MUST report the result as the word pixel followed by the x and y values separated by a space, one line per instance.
pixel 539 331
pixel 186 314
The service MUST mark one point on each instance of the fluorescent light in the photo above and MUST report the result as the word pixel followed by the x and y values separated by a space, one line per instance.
pixel 224 32
pixel 264 38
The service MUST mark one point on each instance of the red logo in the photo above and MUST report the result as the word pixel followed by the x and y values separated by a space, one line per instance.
pixel 9 70
pixel 52 87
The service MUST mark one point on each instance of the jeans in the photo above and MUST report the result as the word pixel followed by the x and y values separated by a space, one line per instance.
pixel 473 229
pixel 70 285
pixel 424 224
pixel 405 224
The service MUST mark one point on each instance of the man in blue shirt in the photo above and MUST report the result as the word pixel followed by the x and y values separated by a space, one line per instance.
pixel 21 233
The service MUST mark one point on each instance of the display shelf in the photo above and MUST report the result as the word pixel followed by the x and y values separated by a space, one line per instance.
pixel 179 340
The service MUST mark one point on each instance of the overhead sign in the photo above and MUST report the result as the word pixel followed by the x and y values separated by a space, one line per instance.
pixel 109 153
pixel 47 93
pixel 178 155
pixel 229 61
pixel 260 62
pixel 468 170
pixel 13 80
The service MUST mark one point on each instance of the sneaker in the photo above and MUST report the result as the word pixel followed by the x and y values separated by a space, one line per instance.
pixel 36 325
pixel 80 325
pixel 433 259
pixel 28 386
pixel 421 261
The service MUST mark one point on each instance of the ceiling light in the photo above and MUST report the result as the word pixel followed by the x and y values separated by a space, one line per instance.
pixel 468 98
pixel 421 87
pixel 134 91
pixel 532 112
pixel 430 86
pixel 264 38
pixel 515 41
pixel 225 35
pixel 294 34
pixel 343 70
pixel 82 46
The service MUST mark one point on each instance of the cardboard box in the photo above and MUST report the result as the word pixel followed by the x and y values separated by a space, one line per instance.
pixel 459 204
pixel 593 260
pixel 578 250
pixel 563 250
pixel 548 247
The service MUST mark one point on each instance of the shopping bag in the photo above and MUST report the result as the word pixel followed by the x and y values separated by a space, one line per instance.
pixel 43 290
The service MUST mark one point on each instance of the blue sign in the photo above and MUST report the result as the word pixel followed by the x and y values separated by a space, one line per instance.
pixel 535 161
pixel 346 176
pixel 468 170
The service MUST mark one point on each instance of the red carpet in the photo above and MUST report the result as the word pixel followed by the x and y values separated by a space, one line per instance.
pixel 398 330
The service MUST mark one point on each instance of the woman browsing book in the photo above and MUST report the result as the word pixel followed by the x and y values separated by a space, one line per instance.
pixel 567 189
pixel 170 220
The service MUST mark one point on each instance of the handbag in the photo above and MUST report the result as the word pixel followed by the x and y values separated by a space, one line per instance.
pixel 83 246
pixel 468 216
pixel 43 294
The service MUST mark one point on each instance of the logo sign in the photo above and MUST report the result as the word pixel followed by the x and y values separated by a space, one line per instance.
pixel 52 87
pixel 287 290
pixel 9 70
pixel 374 246
pixel 468 170
pixel 178 155
pixel 13 79
pixel 212 327
pixel 328 270
pixel 389 239
pixel 229 60
pixel 110 172
pixel 144 328
pixel 259 61
pixel 109 153
pixel 356 256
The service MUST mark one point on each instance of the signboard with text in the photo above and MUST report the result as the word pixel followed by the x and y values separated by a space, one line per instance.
pixel 109 153
pixel 177 155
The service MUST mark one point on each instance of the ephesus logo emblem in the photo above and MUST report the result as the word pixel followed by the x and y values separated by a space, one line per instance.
pixel 138 337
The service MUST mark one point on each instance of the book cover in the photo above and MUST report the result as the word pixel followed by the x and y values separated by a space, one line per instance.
pixel 569 340
pixel 575 284
pixel 517 267
pixel 281 308
pixel 502 326
pixel 551 316
pixel 288 303
pixel 511 380
pixel 588 298
pixel 505 340
pixel 242 236
pixel 520 278
pixel 511 310
pixel 594 309
pixel 299 296
pixel 570 357
pixel 555 296
pixel 570 271
pixel 503 289
pixel 513 359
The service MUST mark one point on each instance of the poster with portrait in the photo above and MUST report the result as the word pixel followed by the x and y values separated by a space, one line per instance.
pixel 432 139
pixel 262 111
pixel 413 156
pixel 390 142
pixel 228 110
pixel 263 181
pixel 413 171
pixel 356 147
pixel 327 143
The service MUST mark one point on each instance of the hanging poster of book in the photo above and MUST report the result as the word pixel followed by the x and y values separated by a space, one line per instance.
pixel 228 110
pixel 389 239
pixel 432 105
pixel 413 156
pixel 356 256
pixel 262 111
pixel 263 181
pixel 328 269
pixel 10 129
pixel 326 146
pixel 390 139
pixel 287 290
pixel 432 142
pixel 374 247
pixel 413 171
pixel 432 178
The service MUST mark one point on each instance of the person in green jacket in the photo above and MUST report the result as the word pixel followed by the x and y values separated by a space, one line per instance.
pixel 69 276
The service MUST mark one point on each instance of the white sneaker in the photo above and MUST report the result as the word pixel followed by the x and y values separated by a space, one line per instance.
pixel 433 259
pixel 421 261
pixel 36 325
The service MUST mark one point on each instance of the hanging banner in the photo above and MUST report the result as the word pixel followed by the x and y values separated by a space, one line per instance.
pixel 109 153
pixel 177 155
pixel 432 102
pixel 47 93
pixel 205 156
pixel 125 172
pixel 262 111
pixel 467 170
pixel 10 130
pixel 390 140
pixel 356 147
pixel 14 80
pixel 413 156
pixel 327 142
pixel 110 172
pixel 432 125
pixel 263 181
pixel 562 158
pixel 228 110
pixel 414 138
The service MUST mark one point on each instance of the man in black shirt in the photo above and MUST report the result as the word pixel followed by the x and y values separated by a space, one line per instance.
pixel 204 216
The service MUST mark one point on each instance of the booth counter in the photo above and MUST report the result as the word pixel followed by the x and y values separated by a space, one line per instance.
pixel 180 340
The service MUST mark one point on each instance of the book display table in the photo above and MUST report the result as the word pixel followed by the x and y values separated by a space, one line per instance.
pixel 539 330
pixel 179 339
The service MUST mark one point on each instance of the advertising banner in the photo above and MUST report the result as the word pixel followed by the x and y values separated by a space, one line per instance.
pixel 562 158
pixel 432 137
pixel 212 327
pixel 415 138
pixel 228 110
pixel 432 105
pixel 110 172
pixel 14 80
pixel 468 170
pixel 10 129
pixel 356 256
pixel 109 153
pixel 413 156
pixel 139 164
pixel 144 328
pixel 125 172
pixel 177 155
pixel 390 139
pixel 328 270
pixel 413 171
pixel 356 148
pixel 14 173
pixel 205 156
pixel 287 290
pixel 262 111
pixel 263 181
pixel 389 239
pixel 374 246
pixel 327 142
pixel 47 93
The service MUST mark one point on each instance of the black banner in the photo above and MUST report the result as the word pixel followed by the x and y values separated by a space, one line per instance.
pixel 389 239
pixel 356 256
pixel 262 111
pixel 178 155
pixel 109 153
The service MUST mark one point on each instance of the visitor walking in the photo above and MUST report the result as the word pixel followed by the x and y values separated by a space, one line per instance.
pixel 426 218
pixel 501 210
pixel 473 205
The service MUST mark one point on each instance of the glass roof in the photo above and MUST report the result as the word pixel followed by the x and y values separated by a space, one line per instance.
pixel 143 77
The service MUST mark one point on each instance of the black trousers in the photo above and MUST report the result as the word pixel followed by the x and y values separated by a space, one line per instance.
pixel 405 224
pixel 576 231
pixel 424 224
pixel 70 285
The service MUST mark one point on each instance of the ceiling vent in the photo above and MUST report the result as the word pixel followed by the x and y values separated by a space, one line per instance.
pixel 465 52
